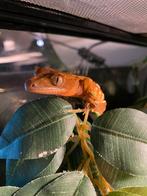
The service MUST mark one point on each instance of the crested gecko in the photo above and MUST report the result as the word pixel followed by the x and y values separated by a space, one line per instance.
pixel 51 81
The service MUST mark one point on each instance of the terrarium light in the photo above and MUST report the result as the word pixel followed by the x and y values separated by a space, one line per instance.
pixel 2 90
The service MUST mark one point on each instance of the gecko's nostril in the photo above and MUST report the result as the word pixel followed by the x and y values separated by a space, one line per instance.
pixel 33 85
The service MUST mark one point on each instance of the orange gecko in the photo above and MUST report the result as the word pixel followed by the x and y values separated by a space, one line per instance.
pixel 51 81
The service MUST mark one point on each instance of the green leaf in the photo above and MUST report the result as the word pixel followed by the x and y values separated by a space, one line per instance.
pixel 140 191
pixel 20 172
pixel 119 138
pixel 62 184
pixel 121 193
pixel 8 190
pixel 37 129
pixel 131 191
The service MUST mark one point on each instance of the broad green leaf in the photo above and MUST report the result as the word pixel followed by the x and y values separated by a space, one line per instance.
pixel 20 172
pixel 62 184
pixel 37 129
pixel 131 191
pixel 119 138
pixel 140 191
pixel 8 190
pixel 121 193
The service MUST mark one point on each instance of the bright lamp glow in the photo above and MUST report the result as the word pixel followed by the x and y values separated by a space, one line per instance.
pixel 40 43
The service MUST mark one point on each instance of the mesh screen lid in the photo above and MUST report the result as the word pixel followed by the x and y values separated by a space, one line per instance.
pixel 128 15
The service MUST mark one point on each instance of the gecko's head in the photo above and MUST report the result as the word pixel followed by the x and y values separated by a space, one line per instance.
pixel 45 82
pixel 50 81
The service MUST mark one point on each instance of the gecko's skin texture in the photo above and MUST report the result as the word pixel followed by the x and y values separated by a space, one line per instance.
pixel 53 82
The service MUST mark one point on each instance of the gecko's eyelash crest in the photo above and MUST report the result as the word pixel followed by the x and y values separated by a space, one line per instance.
pixel 56 80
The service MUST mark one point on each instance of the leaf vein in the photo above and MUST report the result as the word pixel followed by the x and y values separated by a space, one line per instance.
pixel 120 134
pixel 125 172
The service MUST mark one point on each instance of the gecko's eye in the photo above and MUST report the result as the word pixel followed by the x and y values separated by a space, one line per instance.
pixel 56 80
